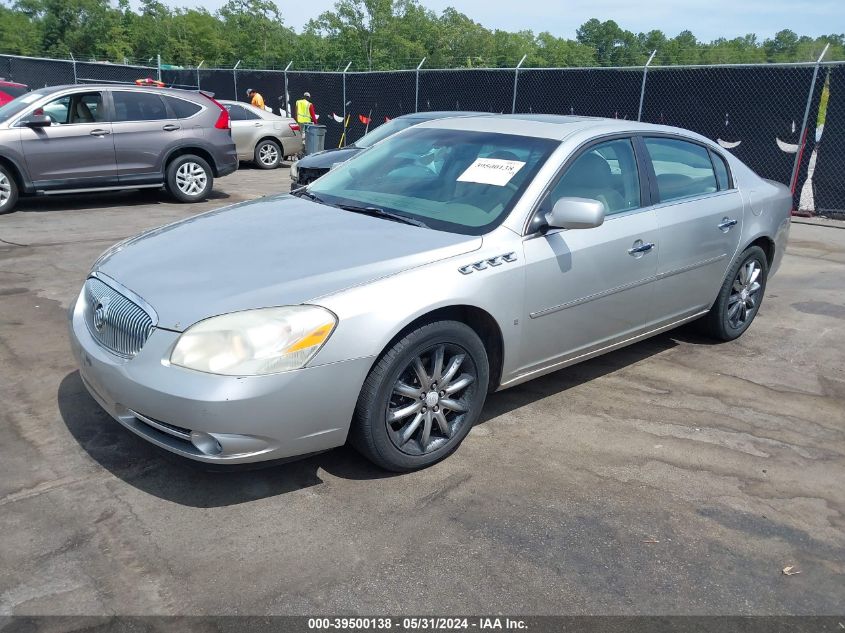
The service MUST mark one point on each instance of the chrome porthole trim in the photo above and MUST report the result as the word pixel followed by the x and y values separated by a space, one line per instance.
pixel 483 264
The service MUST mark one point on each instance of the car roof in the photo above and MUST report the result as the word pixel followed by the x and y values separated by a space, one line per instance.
pixel 12 84
pixel 553 126
pixel 94 86
pixel 442 114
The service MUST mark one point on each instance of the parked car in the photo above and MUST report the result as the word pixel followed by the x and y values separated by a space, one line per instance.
pixel 10 90
pixel 261 136
pixel 70 139
pixel 309 168
pixel 383 302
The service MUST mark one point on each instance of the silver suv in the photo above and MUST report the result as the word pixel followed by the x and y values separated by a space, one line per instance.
pixel 73 139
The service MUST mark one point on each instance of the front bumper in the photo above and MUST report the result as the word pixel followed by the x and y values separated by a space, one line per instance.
pixel 231 419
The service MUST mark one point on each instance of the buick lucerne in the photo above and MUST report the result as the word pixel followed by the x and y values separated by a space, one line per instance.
pixel 383 302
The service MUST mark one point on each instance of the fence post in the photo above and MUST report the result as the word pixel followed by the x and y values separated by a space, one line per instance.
pixel 515 80
pixel 159 66
pixel 235 78
pixel 286 100
pixel 198 73
pixel 642 89
pixel 417 89
pixel 793 182
pixel 73 60
pixel 344 93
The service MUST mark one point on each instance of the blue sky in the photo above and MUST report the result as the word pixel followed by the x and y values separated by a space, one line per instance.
pixel 708 19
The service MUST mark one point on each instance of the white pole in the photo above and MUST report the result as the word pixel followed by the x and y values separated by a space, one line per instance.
pixel 344 89
pixel 235 78
pixel 642 89
pixel 801 139
pixel 198 73
pixel 515 79
pixel 417 92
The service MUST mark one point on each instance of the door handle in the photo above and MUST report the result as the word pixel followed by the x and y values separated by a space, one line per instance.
pixel 99 132
pixel 640 248
pixel 726 224
pixel 257 124
pixel 170 127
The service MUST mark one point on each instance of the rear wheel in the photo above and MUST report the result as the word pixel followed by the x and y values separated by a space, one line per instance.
pixel 268 154
pixel 8 191
pixel 422 397
pixel 189 178
pixel 740 296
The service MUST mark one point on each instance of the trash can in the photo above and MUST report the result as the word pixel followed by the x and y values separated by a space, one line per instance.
pixel 315 138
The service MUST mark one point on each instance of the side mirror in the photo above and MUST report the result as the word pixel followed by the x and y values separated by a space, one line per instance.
pixel 37 120
pixel 576 213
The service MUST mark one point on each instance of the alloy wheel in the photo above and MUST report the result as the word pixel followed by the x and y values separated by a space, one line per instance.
pixel 430 399
pixel 745 294
pixel 268 154
pixel 5 189
pixel 191 178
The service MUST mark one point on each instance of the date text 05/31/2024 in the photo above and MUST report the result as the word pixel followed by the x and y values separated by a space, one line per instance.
pixel 417 624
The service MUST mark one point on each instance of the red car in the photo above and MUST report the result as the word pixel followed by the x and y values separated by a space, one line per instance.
pixel 10 90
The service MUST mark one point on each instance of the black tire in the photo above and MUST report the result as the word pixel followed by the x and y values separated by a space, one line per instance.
pixel 370 433
pixel 722 321
pixel 184 193
pixel 8 190
pixel 268 146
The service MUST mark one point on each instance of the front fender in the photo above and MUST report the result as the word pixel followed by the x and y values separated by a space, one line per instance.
pixel 370 316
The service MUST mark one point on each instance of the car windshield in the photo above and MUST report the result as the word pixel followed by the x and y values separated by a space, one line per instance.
pixel 15 106
pixel 383 131
pixel 453 180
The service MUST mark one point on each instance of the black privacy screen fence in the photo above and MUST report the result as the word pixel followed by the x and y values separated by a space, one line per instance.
pixel 756 112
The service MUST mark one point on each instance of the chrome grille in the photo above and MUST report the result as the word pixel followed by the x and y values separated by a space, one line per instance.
pixel 115 321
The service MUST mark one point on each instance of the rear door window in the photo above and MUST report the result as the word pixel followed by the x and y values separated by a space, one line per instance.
pixel 683 169
pixel 139 106
pixel 722 174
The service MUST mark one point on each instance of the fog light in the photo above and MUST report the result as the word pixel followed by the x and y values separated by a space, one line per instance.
pixel 205 443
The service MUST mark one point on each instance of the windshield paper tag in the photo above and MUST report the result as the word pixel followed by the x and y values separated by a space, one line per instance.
pixel 491 171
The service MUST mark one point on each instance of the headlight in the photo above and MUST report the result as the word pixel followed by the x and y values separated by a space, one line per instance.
pixel 294 171
pixel 255 342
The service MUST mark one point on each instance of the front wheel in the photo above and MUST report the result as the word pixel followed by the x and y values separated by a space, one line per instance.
pixel 8 191
pixel 740 297
pixel 268 154
pixel 189 178
pixel 422 397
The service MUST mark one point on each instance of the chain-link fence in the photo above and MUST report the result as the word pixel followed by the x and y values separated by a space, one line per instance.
pixel 786 121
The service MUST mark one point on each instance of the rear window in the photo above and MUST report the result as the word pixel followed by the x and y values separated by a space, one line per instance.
pixel 139 106
pixel 683 169
pixel 239 113
pixel 181 108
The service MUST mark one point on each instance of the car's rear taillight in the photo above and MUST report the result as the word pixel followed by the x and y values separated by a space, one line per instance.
pixel 223 122
pixel 294 126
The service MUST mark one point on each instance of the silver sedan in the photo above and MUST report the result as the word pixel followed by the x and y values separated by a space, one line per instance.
pixel 382 303
pixel 262 137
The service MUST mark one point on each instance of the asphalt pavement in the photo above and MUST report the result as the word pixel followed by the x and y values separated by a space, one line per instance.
pixel 676 476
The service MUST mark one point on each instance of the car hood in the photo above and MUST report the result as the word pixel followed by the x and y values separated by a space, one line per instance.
pixel 280 250
pixel 327 158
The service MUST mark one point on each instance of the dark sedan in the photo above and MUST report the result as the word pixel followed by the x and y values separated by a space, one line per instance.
pixel 307 170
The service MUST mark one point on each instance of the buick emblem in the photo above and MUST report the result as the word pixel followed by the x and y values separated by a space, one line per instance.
pixel 101 311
